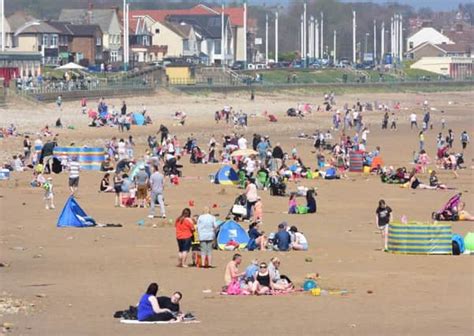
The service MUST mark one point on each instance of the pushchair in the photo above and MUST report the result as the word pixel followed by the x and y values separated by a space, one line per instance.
pixel 449 211
pixel 172 167
pixel 291 112
pixel 277 186
pixel 238 210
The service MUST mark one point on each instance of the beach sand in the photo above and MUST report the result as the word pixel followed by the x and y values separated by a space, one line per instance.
pixel 77 278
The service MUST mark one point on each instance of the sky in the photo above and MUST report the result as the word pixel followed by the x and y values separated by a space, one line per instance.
pixel 436 5
pixel 433 4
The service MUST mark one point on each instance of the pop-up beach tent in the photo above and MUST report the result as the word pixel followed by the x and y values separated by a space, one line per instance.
pixel 139 119
pixel 226 176
pixel 73 215
pixel 232 231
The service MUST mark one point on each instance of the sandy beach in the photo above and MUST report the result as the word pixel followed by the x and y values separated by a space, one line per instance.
pixel 71 281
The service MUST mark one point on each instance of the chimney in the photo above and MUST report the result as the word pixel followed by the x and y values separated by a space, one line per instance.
pixel 89 12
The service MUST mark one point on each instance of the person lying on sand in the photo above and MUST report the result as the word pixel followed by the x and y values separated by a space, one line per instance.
pixel 414 183
pixel 463 214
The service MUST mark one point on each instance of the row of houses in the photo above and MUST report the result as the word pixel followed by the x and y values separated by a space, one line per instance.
pixel 95 36
pixel 196 32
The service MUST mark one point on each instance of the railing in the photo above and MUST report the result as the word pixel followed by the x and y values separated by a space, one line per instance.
pixel 71 86
pixel 337 82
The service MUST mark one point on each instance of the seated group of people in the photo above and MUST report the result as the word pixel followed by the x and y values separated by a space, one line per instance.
pixel 310 207
pixel 259 278
pixel 285 239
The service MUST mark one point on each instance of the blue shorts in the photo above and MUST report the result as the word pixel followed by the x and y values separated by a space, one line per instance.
pixel 184 245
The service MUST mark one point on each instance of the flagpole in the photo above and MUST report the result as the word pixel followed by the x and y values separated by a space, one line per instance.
pixel 276 37
pixel 245 35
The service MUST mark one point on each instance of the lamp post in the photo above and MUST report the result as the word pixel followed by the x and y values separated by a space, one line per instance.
pixel 3 24
pixel 354 42
pixel 276 37
pixel 375 42
pixel 245 35
pixel 126 53
pixel 266 39
pixel 366 42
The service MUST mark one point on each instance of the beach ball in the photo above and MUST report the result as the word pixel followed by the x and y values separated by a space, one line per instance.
pixel 309 285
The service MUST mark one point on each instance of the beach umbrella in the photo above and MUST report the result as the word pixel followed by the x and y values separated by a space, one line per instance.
pixel 243 152
pixel 71 66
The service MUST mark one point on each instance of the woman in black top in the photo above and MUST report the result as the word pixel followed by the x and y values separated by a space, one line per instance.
pixel 311 201
pixel 262 284
pixel 416 184
pixel 105 184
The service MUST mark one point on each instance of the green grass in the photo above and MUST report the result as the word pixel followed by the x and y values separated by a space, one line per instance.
pixel 330 76
pixel 415 74
pixel 306 76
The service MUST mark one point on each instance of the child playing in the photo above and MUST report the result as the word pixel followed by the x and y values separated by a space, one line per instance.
pixel 294 153
pixel 48 194
pixel 423 161
pixel 258 210
pixel 292 205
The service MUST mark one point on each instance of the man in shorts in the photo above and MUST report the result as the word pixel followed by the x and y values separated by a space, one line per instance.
pixel 74 168
pixel 141 180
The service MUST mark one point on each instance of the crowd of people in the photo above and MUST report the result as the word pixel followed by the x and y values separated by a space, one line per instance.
pixel 140 181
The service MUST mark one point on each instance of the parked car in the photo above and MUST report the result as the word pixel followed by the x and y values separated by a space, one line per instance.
pixel 297 64
pixel 261 66
pixel 238 65
pixel 251 66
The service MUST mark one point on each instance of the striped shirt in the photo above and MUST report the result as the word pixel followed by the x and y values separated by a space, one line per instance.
pixel 74 168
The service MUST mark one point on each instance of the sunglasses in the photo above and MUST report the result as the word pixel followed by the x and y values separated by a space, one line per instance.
pixel 263 266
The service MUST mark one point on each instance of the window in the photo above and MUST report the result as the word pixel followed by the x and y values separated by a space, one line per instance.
pixel 157 30
pixel 217 46
pixel 114 56
pixel 146 41
pixel 411 45
pixel 98 41
pixel 46 40
pixel 54 41
pixel 185 45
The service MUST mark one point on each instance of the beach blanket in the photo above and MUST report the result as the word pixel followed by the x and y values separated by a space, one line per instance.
pixel 157 322
pixel 272 293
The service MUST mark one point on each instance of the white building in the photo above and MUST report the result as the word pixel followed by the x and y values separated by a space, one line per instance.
pixel 427 34
pixel 454 67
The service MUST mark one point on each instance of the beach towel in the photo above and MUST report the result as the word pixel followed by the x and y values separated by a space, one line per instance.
pixel 157 322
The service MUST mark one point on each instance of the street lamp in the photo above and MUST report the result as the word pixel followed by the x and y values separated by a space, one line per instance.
pixel 126 54
pixel 366 42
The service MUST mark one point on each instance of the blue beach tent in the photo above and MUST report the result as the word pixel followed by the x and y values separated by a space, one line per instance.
pixel 139 119
pixel 73 215
pixel 232 231
pixel 226 176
